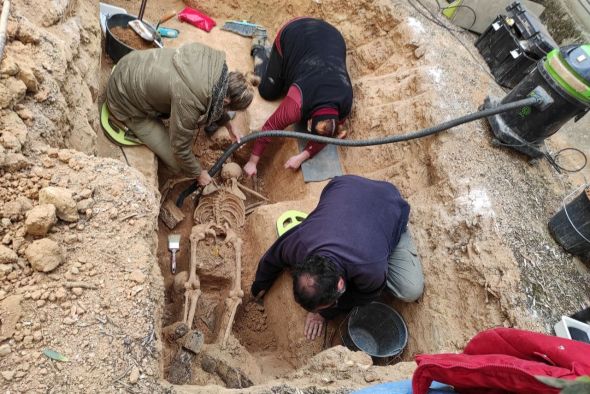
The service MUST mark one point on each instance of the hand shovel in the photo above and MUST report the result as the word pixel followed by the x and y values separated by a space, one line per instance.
pixel 174 246
pixel 144 31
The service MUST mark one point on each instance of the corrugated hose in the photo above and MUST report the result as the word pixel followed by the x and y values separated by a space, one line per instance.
pixel 194 187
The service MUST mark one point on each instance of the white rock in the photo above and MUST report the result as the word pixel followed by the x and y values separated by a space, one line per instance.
pixel 134 375
pixel 40 219
pixel 4 350
pixel 44 255
pixel 63 201
pixel 7 255
pixel 8 375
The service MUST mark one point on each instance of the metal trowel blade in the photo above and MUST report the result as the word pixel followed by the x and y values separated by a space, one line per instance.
pixel 140 28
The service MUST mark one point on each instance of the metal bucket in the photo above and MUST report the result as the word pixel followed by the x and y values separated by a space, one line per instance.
pixel 377 330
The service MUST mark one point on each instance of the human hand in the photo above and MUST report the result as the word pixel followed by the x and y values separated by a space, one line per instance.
pixel 250 168
pixel 295 162
pixel 204 179
pixel 314 324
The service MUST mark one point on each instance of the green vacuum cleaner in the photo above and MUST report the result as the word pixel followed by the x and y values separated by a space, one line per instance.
pixel 562 78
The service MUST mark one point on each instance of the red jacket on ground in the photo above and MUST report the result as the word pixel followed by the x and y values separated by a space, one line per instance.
pixel 504 360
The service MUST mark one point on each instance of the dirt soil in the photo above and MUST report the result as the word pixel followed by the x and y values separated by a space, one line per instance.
pixel 131 38
pixel 479 213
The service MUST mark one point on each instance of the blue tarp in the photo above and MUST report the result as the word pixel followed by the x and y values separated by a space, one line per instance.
pixel 403 387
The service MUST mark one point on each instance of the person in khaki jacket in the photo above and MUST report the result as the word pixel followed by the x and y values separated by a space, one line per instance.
pixel 191 85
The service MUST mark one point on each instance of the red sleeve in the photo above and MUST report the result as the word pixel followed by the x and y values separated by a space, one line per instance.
pixel 287 113
pixel 313 148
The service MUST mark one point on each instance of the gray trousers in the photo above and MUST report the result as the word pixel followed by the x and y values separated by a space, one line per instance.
pixel 405 279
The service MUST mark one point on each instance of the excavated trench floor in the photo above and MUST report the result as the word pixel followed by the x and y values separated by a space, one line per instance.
pixel 400 73
pixel 387 81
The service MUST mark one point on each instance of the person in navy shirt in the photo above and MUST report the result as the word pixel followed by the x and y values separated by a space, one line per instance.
pixel 352 246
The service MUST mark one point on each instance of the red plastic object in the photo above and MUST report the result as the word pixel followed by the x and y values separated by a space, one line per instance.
pixel 197 19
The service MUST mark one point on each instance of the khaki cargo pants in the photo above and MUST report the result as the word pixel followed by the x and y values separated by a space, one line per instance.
pixel 405 279
pixel 156 137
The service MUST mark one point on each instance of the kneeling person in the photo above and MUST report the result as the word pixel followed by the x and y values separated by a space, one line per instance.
pixel 354 244
pixel 190 85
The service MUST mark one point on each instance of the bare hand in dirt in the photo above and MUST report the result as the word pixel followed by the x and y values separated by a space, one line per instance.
pixel 314 324
pixel 204 178
pixel 250 169
pixel 295 161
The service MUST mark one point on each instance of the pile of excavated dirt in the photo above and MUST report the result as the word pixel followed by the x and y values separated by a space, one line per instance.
pixel 77 276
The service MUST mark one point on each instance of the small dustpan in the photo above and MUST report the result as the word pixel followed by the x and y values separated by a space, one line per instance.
pixel 174 246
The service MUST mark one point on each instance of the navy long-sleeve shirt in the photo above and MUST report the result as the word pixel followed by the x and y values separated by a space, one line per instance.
pixel 357 224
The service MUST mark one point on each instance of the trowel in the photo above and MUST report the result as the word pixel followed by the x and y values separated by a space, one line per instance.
pixel 144 30
pixel 174 246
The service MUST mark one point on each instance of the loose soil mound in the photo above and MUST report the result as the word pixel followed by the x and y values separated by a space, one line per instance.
pixel 129 37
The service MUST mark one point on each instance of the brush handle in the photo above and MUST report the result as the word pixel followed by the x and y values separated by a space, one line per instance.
pixel 173 266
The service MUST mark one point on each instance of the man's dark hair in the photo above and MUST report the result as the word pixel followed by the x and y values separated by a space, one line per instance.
pixel 315 282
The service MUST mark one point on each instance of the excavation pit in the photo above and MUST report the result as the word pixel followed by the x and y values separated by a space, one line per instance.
pixel 270 336
pixel 391 91
pixel 479 213
pixel 397 89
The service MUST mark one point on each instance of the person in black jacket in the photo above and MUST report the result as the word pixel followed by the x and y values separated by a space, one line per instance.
pixel 346 251
pixel 307 65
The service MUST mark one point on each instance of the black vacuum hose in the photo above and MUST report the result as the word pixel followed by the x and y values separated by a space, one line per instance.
pixel 529 101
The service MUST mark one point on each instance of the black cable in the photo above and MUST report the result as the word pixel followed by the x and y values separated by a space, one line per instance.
pixel 553 160
pixel 193 187
pixel 124 155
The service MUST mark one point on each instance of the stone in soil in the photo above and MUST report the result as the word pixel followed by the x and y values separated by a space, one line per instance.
pixel 232 377
pixel 134 375
pixel 11 311
pixel 44 255
pixel 4 350
pixel 8 375
pixel 180 367
pixel 193 341
pixel 40 219
pixel 7 255
pixel 63 201
pixel 175 331
pixel 6 269
pixel 137 276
